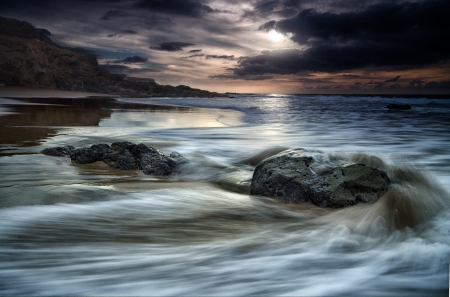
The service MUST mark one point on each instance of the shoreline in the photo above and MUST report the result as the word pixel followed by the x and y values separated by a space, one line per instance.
pixel 21 92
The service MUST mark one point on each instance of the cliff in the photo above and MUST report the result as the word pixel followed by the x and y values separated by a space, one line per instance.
pixel 30 58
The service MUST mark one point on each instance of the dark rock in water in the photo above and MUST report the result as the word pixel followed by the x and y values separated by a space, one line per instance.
pixel 86 155
pixel 61 151
pixel 153 161
pixel 121 160
pixel 399 106
pixel 296 176
pixel 119 146
pixel 124 156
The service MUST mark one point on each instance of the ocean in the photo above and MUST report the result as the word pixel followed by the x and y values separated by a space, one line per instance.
pixel 70 229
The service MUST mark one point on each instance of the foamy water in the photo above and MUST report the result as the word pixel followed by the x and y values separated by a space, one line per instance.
pixel 90 230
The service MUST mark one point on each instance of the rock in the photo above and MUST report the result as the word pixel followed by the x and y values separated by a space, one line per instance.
pixel 399 106
pixel 153 161
pixel 124 156
pixel 296 176
pixel 96 152
pixel 123 160
pixel 62 151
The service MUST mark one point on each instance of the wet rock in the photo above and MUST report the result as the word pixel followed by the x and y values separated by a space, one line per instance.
pixel 121 160
pixel 96 152
pixel 153 161
pixel 124 156
pixel 399 106
pixel 296 176
pixel 61 151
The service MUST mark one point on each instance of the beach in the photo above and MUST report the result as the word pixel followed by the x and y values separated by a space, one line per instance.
pixel 93 230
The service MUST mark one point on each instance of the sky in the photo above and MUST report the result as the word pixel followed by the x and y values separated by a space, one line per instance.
pixel 258 46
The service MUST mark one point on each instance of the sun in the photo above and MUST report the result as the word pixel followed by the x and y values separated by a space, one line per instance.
pixel 275 36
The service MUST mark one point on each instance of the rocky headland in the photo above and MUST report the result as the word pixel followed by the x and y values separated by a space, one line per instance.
pixel 28 57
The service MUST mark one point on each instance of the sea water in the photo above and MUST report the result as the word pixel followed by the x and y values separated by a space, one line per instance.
pixel 91 230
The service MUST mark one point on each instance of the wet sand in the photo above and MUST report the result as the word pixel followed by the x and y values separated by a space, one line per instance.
pixel 25 92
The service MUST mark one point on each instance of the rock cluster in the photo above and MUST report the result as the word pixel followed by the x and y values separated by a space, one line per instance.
pixel 123 156
pixel 295 176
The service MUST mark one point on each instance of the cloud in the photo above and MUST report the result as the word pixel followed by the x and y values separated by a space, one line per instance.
pixel 220 57
pixel 193 56
pixel 387 36
pixel 130 32
pixel 171 46
pixel 111 14
pixel 133 59
pixel 126 69
pixel 123 32
pixel 190 8
pixel 395 79
pixel 420 84
pixel 195 51
pixel 248 77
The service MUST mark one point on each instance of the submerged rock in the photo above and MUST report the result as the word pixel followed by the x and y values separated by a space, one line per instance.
pixel 123 156
pixel 61 151
pixel 399 106
pixel 296 176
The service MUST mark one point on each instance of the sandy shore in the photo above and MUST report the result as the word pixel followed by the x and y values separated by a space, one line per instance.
pixel 25 92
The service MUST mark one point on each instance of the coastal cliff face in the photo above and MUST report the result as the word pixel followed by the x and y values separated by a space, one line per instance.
pixel 29 58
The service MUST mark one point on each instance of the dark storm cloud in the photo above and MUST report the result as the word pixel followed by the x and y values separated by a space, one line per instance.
pixel 392 79
pixel 191 8
pixel 195 51
pixel 111 14
pixel 193 56
pixel 130 32
pixel 171 46
pixel 133 59
pixel 220 57
pixel 389 36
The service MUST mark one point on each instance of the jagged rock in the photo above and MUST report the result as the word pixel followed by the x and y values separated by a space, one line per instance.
pixel 123 160
pixel 296 176
pixel 62 151
pixel 399 106
pixel 153 161
pixel 96 152
pixel 123 156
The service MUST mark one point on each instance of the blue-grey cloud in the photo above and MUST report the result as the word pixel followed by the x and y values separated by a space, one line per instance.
pixel 171 46
pixel 191 8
